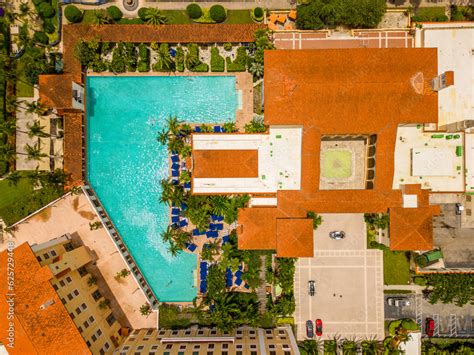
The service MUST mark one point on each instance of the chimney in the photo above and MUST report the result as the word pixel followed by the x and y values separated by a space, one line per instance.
pixel 443 81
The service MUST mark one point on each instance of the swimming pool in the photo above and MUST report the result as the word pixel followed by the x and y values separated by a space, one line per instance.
pixel 125 163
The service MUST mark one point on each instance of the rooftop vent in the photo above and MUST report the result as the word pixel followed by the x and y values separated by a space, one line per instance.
pixel 46 304
pixel 443 81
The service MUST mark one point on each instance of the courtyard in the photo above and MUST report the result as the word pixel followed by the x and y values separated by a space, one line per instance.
pixel 349 281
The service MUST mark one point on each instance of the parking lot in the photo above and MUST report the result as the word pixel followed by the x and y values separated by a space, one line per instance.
pixel 349 282
pixel 450 320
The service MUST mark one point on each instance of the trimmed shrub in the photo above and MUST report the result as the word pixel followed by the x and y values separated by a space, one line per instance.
pixel 218 13
pixel 73 14
pixel 143 67
pixel 142 12
pixel 143 58
pixel 228 46
pixel 37 2
pixel 114 13
pixel 194 11
pixel 258 12
pixel 217 61
pixel 45 10
pixel 41 37
pixel 179 60
pixel 240 62
pixel 48 26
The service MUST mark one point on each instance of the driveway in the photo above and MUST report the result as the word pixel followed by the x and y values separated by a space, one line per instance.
pixel 349 282
pixel 450 320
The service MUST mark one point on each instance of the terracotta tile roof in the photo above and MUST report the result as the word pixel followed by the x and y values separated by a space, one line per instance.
pixel 73 145
pixel 37 331
pixel 257 228
pixel 411 228
pixel 225 163
pixel 294 237
pixel 200 33
pixel 56 90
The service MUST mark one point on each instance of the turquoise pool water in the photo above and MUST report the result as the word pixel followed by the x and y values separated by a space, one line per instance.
pixel 125 163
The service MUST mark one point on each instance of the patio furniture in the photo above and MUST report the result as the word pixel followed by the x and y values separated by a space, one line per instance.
pixel 183 223
pixel 175 166
pixel 183 206
pixel 191 247
pixel 238 282
pixel 239 274
pixel 175 219
pixel 175 158
pixel 219 226
pixel 228 277
pixel 175 211
pixel 197 129
pixel 225 239
pixel 216 218
pixel 212 226
pixel 174 173
pixel 273 18
pixel 281 19
pixel 212 234
pixel 187 185
pixel 273 26
pixel 218 129
pixel 246 286
pixel 292 15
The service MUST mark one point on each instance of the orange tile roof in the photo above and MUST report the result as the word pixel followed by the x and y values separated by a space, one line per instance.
pixel 348 91
pixel 73 145
pixel 257 228
pixel 56 90
pixel 36 330
pixel 294 237
pixel 411 228
pixel 225 163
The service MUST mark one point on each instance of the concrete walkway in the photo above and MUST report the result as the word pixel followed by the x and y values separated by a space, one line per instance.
pixel 414 288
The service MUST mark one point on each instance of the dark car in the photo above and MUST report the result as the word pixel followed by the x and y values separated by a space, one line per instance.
pixel 337 235
pixel 429 327
pixel 311 287
pixel 309 329
pixel 319 327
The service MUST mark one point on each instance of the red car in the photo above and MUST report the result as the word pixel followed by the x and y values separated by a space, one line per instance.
pixel 429 327
pixel 319 327
pixel 309 329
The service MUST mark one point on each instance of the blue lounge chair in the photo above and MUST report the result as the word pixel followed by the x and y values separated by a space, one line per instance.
pixel 212 226
pixel 175 166
pixel 220 218
pixel 225 239
pixel 247 286
pixel 183 206
pixel 191 247
pixel 219 226
pixel 174 181
pixel 175 158
pixel 228 277
pixel 183 223
pixel 212 234
pixel 174 173
pixel 174 152
pixel 238 274
pixel 203 286
pixel 197 129
pixel 187 185
pixel 174 219
pixel 175 211
pixel 238 282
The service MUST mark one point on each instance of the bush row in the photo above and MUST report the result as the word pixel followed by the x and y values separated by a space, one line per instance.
pixel 240 62
pixel 217 61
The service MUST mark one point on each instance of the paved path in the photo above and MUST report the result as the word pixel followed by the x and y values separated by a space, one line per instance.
pixel 261 293
pixel 415 288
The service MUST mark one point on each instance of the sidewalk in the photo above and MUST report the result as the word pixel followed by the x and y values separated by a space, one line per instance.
pixel 414 288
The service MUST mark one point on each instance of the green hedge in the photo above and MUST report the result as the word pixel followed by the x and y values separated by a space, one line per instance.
pixel 45 10
pixel 195 65
pixel 240 62
pixel 114 13
pixel 73 14
pixel 179 60
pixel 217 61
pixel 143 58
pixel 194 11
pixel 217 13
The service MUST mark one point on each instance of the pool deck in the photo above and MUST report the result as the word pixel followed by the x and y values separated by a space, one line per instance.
pixel 243 84
pixel 72 214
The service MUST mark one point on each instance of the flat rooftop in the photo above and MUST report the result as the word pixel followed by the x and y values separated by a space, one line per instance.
pixel 454 43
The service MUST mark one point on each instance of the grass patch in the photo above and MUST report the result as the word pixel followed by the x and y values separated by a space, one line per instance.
pixel 238 16
pixel 172 318
pixel 88 17
pixel 257 99
pixel 430 14
pixel 12 193
pixel 396 268
pixel 23 89
pixel 396 292
pixel 176 17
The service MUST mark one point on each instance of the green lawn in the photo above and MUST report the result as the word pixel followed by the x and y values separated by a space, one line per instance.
pixel 337 164
pixel 12 193
pixel 396 268
pixel 238 16
pixel 430 14
pixel 23 89
pixel 88 18
pixel 176 17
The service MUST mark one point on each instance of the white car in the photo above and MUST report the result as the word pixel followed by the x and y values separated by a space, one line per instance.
pixel 337 235
pixel 398 301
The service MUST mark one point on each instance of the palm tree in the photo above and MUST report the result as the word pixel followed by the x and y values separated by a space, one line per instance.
pixel 230 127
pixel 174 249
pixel 185 177
pixel 8 153
pixel 163 136
pixel 176 144
pixel 34 152
pixel 37 107
pixel 173 124
pixel 180 238
pixel 167 188
pixel 167 235
pixel 101 17
pixel 36 130
pixel 12 103
pixel 219 204
pixel 256 69
pixel 154 17
pixel 35 177
pixel 13 178
pixel 164 61
pixel 310 346
pixel 8 127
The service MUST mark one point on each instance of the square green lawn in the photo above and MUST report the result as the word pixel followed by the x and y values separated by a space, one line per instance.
pixel 12 193
pixel 336 164
pixel 238 16
pixel 432 13
pixel 396 268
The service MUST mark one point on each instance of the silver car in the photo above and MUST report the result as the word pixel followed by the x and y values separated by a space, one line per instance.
pixel 398 301
pixel 311 287
pixel 337 235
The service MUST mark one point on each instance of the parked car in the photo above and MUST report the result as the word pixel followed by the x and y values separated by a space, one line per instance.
pixel 398 301
pixel 337 235
pixel 319 327
pixel 309 329
pixel 311 287
pixel 429 327
pixel 459 208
